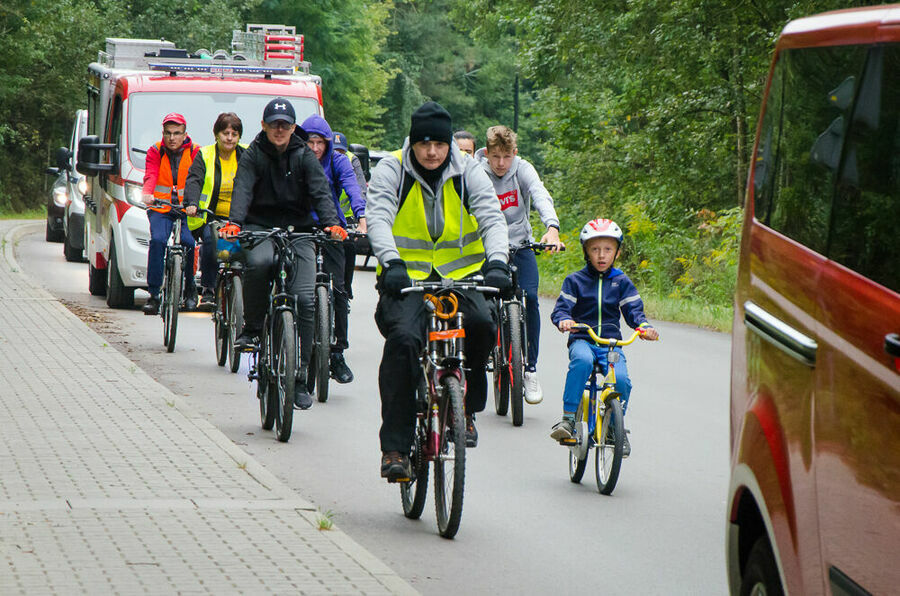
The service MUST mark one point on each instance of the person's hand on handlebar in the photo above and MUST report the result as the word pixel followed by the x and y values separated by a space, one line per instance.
pixel 361 225
pixel 229 230
pixel 552 237
pixel 648 333
pixel 191 210
pixel 496 274
pixel 147 199
pixel 565 325
pixel 337 233
pixel 395 278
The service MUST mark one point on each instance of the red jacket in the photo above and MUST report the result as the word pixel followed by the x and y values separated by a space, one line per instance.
pixel 152 166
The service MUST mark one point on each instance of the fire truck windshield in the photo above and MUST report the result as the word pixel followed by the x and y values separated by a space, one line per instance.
pixel 146 111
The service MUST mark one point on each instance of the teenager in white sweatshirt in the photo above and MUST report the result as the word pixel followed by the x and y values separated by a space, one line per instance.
pixel 519 190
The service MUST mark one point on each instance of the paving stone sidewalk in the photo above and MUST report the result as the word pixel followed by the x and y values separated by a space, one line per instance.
pixel 109 484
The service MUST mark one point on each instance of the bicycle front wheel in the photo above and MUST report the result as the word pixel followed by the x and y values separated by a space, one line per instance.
pixel 450 461
pixel 284 363
pixel 220 320
pixel 516 364
pixel 322 349
pixel 609 451
pixel 172 300
pixel 235 321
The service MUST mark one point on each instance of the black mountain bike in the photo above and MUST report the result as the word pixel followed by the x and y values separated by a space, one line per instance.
pixel 171 298
pixel 510 354
pixel 275 362
pixel 319 375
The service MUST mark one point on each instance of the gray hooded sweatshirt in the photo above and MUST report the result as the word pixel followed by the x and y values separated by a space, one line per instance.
pixel 520 190
pixel 383 202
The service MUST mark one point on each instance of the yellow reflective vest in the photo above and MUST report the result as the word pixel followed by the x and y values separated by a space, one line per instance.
pixel 210 155
pixel 458 251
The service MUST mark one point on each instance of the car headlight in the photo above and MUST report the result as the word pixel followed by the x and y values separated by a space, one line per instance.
pixel 134 194
pixel 60 196
pixel 82 186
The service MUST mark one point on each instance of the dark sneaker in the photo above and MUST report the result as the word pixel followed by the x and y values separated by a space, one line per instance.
pixel 151 307
pixel 395 466
pixel 190 300
pixel 471 431
pixel 207 299
pixel 247 340
pixel 562 430
pixel 302 400
pixel 626 448
pixel 340 372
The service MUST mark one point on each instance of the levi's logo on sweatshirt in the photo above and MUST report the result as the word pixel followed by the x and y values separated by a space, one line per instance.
pixel 509 199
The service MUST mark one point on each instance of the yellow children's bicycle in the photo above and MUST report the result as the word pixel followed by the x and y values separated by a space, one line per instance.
pixel 599 420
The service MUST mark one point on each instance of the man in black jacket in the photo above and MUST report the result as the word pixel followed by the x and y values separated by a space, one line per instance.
pixel 279 183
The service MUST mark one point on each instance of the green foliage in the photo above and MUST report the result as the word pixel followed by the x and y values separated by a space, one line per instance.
pixel 342 40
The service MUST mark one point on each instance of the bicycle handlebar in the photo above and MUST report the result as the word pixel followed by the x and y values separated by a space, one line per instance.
pixel 606 341
pixel 535 246
pixel 178 207
pixel 450 284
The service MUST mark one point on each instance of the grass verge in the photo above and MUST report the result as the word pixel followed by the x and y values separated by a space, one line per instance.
pixel 36 213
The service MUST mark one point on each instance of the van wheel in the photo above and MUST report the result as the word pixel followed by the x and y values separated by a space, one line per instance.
pixel 72 254
pixel 117 295
pixel 760 577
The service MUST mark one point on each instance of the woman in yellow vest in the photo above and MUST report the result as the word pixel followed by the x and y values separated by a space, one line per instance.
pixel 208 186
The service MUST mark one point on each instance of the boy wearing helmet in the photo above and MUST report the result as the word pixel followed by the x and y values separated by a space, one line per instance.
pixel 595 296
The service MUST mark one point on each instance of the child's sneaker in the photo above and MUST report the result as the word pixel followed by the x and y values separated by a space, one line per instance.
pixel 564 429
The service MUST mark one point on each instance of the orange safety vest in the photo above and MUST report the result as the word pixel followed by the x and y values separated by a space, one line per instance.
pixel 165 190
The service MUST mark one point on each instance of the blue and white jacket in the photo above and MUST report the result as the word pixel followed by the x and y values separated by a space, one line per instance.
pixel 585 290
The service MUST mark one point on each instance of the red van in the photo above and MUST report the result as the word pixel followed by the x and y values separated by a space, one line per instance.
pixel 814 497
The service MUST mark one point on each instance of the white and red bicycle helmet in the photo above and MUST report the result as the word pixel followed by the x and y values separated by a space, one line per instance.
pixel 600 228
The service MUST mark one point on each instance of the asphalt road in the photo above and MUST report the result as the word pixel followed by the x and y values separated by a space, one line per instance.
pixel 525 529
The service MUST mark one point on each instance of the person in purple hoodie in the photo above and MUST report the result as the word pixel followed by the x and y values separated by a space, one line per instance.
pixel 341 176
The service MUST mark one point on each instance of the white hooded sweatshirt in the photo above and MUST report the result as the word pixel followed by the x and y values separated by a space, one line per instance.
pixel 520 190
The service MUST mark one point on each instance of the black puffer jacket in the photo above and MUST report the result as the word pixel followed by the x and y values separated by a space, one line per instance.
pixel 275 189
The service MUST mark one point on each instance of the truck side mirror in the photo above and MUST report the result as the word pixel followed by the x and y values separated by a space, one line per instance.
pixel 63 155
pixel 89 149
pixel 362 152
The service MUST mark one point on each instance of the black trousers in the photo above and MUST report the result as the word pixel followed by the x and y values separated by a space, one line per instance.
pixel 403 323
pixel 334 261
pixel 349 267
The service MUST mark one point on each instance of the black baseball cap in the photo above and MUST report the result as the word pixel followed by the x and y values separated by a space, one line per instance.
pixel 279 109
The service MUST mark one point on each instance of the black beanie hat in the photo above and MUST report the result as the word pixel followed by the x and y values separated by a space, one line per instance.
pixel 431 122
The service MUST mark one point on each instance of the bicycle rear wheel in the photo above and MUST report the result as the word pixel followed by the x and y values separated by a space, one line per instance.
pixel 235 321
pixel 284 363
pixel 577 466
pixel 172 300
pixel 450 461
pixel 609 451
pixel 264 390
pixel 413 493
pixel 322 344
pixel 516 364
pixel 220 320
pixel 501 380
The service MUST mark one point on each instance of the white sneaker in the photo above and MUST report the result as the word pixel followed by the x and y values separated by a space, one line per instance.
pixel 533 392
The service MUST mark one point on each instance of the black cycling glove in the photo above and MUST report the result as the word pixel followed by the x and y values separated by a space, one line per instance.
pixel 395 278
pixel 496 274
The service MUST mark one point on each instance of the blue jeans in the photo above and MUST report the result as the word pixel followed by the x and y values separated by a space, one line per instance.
pixel 528 279
pixel 160 229
pixel 582 355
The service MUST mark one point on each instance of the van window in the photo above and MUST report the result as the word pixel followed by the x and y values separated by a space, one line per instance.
pixel 801 140
pixel 864 233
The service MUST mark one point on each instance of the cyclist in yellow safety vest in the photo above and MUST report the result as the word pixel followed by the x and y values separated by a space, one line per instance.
pixel 208 186
pixel 431 214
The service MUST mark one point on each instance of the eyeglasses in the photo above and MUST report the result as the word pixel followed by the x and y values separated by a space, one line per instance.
pixel 176 133
pixel 281 125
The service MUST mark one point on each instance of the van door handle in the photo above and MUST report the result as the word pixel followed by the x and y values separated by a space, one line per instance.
pixel 892 344
pixel 781 335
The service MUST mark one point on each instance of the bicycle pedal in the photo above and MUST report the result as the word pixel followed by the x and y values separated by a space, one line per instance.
pixel 396 480
pixel 569 441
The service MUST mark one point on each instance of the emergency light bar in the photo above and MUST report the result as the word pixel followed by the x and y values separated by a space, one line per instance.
pixel 214 68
